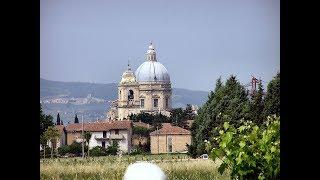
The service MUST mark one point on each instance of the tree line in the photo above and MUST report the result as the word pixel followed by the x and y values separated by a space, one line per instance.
pixel 231 102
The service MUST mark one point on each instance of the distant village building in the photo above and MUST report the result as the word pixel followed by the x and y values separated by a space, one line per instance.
pixel 104 133
pixel 147 90
pixel 169 139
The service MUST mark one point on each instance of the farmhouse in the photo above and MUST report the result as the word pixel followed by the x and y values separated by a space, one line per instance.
pixel 169 139
pixel 104 133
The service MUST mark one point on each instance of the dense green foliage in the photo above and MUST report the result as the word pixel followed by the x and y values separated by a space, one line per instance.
pixel 251 151
pixel 227 102
pixel 141 131
pixel 272 99
pixel 45 121
pixel 153 120
pixel 98 151
pixel 51 135
pixel 113 149
pixel 177 117
pixel 230 102
pixel 74 148
pixel 257 105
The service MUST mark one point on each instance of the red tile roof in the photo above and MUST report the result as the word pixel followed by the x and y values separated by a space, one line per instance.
pixel 99 126
pixel 167 128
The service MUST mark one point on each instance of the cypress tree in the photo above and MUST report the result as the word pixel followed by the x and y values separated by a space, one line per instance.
pixel 257 105
pixel 227 102
pixel 76 120
pixel 58 119
pixel 272 99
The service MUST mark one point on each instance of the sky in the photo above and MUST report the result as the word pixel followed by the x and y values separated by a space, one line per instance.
pixel 197 41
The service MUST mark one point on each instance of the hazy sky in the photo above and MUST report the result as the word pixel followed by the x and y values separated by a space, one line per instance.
pixel 197 41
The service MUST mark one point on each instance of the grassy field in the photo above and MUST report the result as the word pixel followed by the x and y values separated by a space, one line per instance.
pixel 113 167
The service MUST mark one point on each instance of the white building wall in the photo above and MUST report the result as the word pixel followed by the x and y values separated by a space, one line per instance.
pixel 124 144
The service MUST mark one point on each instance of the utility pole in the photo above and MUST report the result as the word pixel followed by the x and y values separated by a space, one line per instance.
pixel 158 138
pixel 82 139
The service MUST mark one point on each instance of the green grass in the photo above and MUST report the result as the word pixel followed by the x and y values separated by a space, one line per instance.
pixel 113 167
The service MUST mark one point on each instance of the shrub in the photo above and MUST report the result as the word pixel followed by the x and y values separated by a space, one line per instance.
pixel 137 151
pixel 48 152
pixel 113 149
pixel 98 151
pixel 250 151
pixel 63 150
pixel 74 148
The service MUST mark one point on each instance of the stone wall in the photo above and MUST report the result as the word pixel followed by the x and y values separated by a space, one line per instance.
pixel 178 143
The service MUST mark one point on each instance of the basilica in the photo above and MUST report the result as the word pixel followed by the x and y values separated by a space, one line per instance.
pixel 148 89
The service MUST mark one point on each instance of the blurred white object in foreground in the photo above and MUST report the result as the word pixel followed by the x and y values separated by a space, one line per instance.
pixel 144 171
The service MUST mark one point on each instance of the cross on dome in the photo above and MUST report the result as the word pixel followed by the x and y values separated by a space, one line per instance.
pixel 129 68
pixel 151 47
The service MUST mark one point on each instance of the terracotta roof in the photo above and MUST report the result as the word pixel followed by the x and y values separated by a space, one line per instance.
pixel 99 126
pixel 142 124
pixel 60 128
pixel 167 128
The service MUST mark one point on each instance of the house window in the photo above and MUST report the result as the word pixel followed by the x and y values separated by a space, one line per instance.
pixel 103 144
pixel 169 144
pixel 155 103
pixel 104 134
pixel 116 131
pixel 142 103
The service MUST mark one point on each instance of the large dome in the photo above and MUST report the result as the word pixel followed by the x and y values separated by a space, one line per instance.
pixel 152 71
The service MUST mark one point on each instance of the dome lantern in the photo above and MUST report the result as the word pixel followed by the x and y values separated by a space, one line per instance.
pixel 152 70
pixel 151 53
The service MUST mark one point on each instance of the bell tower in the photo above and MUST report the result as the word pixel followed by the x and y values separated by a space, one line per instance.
pixel 128 94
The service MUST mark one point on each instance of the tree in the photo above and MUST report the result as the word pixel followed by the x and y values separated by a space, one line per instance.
pixel 45 121
pixel 257 105
pixel 228 102
pixel 272 99
pixel 58 119
pixel 114 148
pixel 51 134
pixel 76 120
pixel 87 136
pixel 178 118
pixel 189 114
pixel 251 151
pixel 43 143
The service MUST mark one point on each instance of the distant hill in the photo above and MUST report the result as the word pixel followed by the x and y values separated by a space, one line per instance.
pixel 180 98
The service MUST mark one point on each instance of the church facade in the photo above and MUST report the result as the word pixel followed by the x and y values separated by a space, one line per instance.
pixel 148 89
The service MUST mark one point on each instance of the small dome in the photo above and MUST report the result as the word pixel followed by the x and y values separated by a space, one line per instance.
pixel 152 71
pixel 128 77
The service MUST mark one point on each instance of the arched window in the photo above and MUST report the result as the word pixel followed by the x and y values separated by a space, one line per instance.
pixel 130 95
